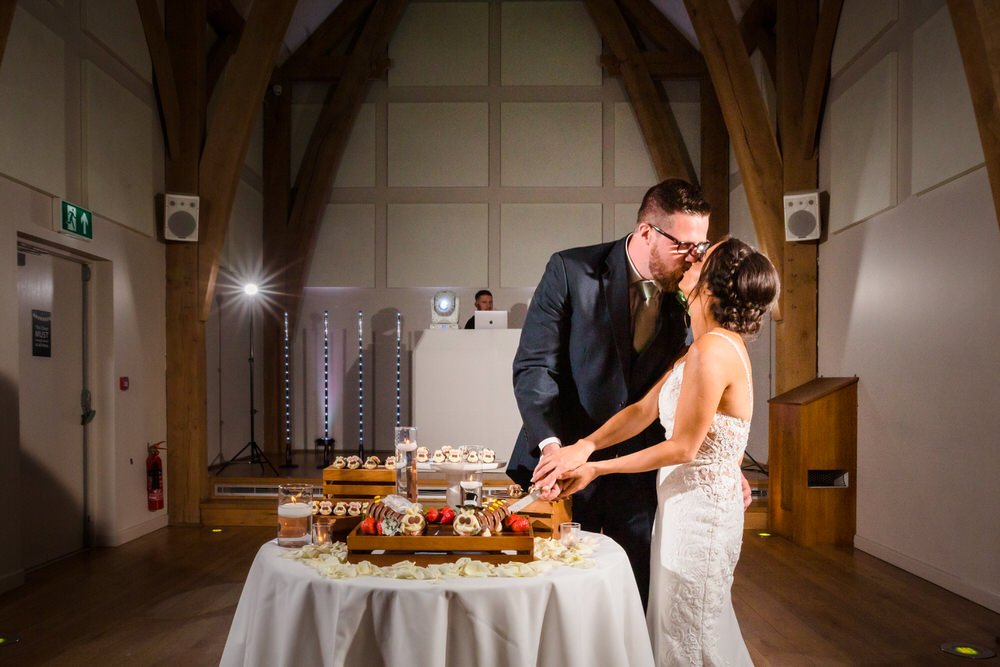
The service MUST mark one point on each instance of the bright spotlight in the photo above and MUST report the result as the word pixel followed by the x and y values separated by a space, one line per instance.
pixel 250 289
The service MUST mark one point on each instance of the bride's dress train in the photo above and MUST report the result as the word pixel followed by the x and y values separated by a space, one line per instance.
pixel 696 543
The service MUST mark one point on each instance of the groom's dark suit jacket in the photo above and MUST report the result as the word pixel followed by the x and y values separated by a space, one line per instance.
pixel 575 368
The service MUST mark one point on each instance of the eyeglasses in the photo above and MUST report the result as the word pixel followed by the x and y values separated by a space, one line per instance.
pixel 696 250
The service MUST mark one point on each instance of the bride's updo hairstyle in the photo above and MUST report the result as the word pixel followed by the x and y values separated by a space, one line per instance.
pixel 744 283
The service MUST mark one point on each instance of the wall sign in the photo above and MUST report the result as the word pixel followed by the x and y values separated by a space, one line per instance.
pixel 41 333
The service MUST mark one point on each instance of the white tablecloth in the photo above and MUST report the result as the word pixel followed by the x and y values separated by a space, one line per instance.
pixel 569 617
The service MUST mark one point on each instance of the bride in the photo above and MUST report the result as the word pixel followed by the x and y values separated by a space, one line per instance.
pixel 704 402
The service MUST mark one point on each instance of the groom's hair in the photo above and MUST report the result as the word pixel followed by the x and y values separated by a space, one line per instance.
pixel 674 195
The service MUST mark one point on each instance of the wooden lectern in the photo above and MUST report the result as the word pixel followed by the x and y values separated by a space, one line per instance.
pixel 813 462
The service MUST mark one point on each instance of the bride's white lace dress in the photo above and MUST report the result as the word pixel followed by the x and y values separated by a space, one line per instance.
pixel 696 543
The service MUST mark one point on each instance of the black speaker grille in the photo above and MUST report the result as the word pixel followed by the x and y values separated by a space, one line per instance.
pixel 802 223
pixel 182 224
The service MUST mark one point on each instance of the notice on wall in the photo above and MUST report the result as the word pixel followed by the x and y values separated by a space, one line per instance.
pixel 41 333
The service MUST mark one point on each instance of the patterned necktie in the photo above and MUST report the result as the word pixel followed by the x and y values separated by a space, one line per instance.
pixel 647 310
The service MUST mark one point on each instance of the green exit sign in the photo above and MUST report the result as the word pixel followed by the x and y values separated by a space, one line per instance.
pixel 74 220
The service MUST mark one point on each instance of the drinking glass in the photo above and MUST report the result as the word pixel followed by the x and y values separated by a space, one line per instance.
pixel 405 438
pixel 294 514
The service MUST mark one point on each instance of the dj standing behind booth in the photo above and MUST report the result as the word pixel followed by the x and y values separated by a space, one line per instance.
pixel 484 301
pixel 603 326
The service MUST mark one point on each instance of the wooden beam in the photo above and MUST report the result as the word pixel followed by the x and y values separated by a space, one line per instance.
pixel 229 132
pixel 186 458
pixel 330 68
pixel 660 31
pixel 746 117
pixel 7 9
pixel 660 65
pixel 758 17
pixel 224 17
pixel 166 86
pixel 977 26
pixel 218 57
pixel 819 74
pixel 714 160
pixel 796 333
pixel 326 147
pixel 658 125
pixel 276 196
pixel 341 22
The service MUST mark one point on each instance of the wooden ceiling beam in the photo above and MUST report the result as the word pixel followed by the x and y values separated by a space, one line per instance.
pixel 746 118
pixel 660 31
pixel 977 26
pixel 330 69
pixel 758 19
pixel 342 21
pixel 656 122
pixel 218 57
pixel 163 71
pixel 714 160
pixel 326 148
pixel 7 9
pixel 229 131
pixel 224 17
pixel 819 75
pixel 661 65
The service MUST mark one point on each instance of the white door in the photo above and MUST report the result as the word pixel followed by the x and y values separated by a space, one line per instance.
pixel 51 346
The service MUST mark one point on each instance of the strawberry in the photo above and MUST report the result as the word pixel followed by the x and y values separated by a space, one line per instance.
pixel 446 516
pixel 520 525
pixel 432 515
pixel 368 526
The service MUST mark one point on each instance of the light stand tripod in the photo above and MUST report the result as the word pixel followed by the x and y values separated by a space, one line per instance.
pixel 256 456
pixel 220 459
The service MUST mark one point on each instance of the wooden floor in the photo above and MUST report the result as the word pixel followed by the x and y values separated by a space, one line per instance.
pixel 169 597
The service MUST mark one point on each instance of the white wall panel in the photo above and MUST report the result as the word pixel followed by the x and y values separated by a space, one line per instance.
pixel 548 43
pixel 116 24
pixel 441 44
pixel 438 144
pixel 530 233
pixel 863 147
pixel 625 217
pixel 432 245
pixel 633 165
pixel 33 106
pixel 551 144
pixel 118 135
pixel 945 136
pixel 345 249
pixel 861 21
pixel 357 167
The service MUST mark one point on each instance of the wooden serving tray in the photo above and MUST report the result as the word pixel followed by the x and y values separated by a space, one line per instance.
pixel 439 545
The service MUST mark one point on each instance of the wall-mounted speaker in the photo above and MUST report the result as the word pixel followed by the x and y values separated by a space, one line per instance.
pixel 802 215
pixel 180 217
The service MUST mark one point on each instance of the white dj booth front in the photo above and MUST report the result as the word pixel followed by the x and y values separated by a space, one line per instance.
pixel 462 389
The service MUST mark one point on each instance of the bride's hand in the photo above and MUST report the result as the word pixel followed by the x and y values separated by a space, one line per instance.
pixel 577 479
pixel 557 461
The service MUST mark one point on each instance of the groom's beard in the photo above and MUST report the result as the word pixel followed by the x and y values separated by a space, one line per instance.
pixel 667 279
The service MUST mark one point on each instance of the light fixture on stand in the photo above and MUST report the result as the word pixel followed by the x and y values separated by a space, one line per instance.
pixel 444 310
pixel 255 455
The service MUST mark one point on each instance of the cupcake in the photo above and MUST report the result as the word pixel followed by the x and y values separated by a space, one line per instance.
pixel 438 456
pixel 325 507
pixel 372 462
pixel 340 509
pixel 339 462
pixel 488 455
pixel 422 455
pixel 353 462
pixel 390 462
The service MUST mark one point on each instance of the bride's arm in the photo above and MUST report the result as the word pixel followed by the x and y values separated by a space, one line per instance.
pixel 705 380
pixel 628 422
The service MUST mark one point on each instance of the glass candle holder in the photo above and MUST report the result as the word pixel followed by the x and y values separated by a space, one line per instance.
pixel 569 533
pixel 294 514
pixel 406 462
pixel 321 529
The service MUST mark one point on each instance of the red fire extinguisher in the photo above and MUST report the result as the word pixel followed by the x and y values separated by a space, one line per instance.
pixel 154 477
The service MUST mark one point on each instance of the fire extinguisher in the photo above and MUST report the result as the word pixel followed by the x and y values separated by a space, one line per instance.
pixel 154 477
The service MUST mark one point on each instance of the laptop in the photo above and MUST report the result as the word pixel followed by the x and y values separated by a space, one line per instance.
pixel 490 319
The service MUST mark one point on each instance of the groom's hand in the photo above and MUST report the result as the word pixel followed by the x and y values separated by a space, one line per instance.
pixel 747 495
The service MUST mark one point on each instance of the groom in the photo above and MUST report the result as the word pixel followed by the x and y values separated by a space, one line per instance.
pixel 596 337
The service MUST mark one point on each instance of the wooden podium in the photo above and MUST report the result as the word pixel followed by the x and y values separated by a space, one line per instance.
pixel 813 462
